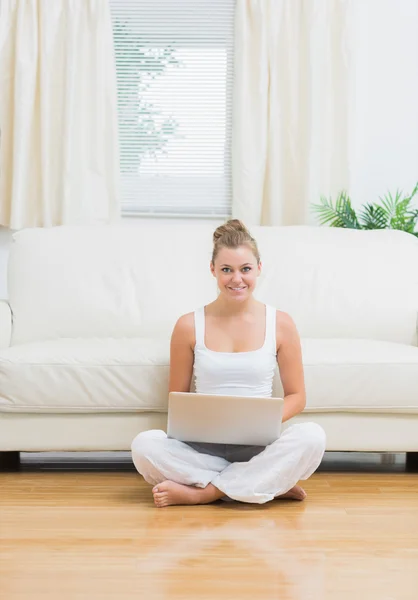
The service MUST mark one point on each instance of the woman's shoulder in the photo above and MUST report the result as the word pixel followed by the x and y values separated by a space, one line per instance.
pixel 184 329
pixel 186 321
pixel 283 318
pixel 285 326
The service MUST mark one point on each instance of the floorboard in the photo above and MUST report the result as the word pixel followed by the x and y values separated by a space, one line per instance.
pixel 75 527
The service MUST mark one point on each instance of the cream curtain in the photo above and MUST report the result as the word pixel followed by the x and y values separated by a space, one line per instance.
pixel 59 158
pixel 292 107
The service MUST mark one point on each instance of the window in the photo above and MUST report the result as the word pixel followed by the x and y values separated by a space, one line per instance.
pixel 174 64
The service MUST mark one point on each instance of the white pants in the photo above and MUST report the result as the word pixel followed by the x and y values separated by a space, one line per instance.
pixel 244 473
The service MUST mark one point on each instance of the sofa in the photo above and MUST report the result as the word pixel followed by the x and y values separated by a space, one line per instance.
pixel 85 330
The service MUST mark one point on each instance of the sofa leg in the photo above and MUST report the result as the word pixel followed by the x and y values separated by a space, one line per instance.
pixel 412 461
pixel 9 461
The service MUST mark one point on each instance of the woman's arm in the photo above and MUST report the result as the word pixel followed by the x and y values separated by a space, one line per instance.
pixel 289 360
pixel 182 354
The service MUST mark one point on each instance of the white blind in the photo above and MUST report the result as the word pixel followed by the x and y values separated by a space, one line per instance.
pixel 174 63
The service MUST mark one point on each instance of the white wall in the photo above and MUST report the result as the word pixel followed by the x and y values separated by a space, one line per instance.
pixel 384 153
pixel 384 149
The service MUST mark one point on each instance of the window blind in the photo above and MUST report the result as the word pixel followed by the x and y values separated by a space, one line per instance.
pixel 174 65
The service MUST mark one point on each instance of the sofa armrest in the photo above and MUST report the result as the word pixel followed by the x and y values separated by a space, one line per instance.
pixel 5 324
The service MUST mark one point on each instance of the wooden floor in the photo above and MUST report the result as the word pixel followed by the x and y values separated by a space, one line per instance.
pixel 91 531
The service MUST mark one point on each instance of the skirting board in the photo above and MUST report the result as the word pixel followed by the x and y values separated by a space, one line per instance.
pixel 360 432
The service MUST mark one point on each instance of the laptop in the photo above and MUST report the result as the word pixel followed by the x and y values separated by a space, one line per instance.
pixel 220 419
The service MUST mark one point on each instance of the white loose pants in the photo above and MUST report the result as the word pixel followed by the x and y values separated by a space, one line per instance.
pixel 244 473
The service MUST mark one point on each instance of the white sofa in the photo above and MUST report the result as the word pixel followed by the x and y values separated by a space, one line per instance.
pixel 84 335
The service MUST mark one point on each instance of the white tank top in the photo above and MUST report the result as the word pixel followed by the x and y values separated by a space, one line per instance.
pixel 235 373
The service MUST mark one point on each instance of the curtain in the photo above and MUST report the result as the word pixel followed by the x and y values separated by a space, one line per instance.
pixel 59 158
pixel 292 107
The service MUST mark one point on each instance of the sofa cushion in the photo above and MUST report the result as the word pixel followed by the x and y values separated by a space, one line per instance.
pixel 125 375
pixel 360 375
pixel 342 283
pixel 107 281
pixel 85 375
pixel 121 281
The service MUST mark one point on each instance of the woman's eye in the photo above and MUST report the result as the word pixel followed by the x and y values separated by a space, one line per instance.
pixel 227 269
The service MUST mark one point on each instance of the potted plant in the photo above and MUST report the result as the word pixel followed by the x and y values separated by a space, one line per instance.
pixel 393 212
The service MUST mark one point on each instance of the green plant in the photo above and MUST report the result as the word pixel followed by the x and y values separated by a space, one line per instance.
pixel 394 212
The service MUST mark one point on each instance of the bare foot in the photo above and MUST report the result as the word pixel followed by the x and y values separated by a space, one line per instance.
pixel 168 493
pixel 296 493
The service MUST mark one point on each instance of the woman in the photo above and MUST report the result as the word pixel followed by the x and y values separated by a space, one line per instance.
pixel 233 345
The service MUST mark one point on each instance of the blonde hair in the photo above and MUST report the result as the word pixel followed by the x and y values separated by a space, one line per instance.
pixel 233 234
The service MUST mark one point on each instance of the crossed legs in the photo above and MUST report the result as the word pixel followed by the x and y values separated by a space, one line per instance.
pixel 182 475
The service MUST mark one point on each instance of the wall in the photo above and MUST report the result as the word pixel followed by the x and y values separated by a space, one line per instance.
pixel 384 150
pixel 384 154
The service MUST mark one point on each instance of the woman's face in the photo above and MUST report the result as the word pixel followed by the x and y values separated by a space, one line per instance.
pixel 236 271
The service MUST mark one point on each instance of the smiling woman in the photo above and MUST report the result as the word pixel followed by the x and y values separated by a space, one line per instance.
pixel 237 259
pixel 233 345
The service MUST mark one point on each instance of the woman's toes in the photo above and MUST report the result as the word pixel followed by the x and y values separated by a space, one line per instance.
pixel 160 500
pixel 296 493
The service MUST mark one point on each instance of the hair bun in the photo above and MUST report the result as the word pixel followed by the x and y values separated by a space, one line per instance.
pixel 229 227
pixel 233 234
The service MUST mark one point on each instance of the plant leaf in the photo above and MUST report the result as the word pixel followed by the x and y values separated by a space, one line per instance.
pixel 374 216
pixel 340 215
pixel 326 212
pixel 394 212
